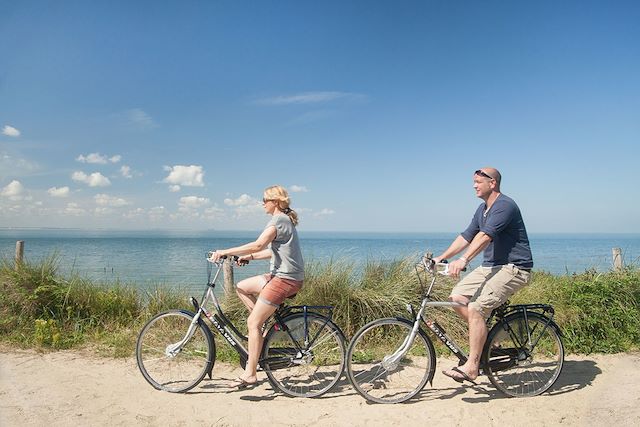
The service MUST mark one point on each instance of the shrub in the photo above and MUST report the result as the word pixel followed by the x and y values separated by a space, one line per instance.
pixel 597 312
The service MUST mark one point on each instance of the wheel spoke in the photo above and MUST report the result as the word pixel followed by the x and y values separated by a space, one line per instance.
pixel 396 383
pixel 317 369
pixel 519 367
pixel 185 368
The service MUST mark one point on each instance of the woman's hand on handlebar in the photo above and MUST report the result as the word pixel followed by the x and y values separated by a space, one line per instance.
pixel 215 256
pixel 243 260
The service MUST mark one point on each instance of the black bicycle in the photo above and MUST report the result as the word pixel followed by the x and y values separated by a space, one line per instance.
pixel 391 360
pixel 303 353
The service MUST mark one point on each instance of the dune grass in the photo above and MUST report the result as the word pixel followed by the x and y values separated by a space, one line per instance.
pixel 39 308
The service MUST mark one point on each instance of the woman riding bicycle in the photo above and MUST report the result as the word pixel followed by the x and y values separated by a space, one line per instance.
pixel 264 293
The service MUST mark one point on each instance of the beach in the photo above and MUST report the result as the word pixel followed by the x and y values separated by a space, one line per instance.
pixel 78 388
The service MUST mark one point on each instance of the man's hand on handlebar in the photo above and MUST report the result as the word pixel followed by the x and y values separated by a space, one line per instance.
pixel 452 269
pixel 456 266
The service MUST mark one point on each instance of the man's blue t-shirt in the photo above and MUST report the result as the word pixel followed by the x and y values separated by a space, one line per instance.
pixel 504 224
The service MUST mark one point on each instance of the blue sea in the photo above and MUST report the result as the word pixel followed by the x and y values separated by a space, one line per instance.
pixel 148 258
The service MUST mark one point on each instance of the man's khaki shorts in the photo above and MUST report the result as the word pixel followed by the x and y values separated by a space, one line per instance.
pixel 489 287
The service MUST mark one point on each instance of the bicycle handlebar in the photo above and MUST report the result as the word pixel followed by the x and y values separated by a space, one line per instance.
pixel 234 258
pixel 432 266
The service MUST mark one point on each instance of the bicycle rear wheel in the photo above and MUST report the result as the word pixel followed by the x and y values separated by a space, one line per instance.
pixel 309 366
pixel 524 355
pixel 374 365
pixel 170 358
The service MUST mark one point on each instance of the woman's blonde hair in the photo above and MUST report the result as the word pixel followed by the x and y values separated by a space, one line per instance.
pixel 279 195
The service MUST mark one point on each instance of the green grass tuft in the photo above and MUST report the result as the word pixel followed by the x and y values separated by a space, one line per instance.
pixel 597 312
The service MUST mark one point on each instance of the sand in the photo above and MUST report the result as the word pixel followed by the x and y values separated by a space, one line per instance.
pixel 72 388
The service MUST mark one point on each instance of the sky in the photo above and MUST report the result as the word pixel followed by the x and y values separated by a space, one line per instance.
pixel 373 114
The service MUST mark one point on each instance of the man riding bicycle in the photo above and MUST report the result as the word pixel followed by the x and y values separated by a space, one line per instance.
pixel 497 229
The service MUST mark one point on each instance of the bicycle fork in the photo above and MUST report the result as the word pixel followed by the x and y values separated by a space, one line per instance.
pixel 172 350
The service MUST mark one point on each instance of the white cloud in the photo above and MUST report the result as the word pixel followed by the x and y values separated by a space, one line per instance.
pixel 308 98
pixel 97 158
pixel 188 176
pixel 14 167
pixel 96 179
pixel 244 205
pixel 74 209
pixel 188 203
pixel 125 171
pixel 103 210
pixel 174 188
pixel 58 192
pixel 213 212
pixel 243 200
pixel 140 119
pixel 298 189
pixel 325 212
pixel 10 131
pixel 134 213
pixel 111 201
pixel 13 190
pixel 156 213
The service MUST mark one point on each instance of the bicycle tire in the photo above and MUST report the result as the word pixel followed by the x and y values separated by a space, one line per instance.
pixel 315 370
pixel 512 366
pixel 183 369
pixel 369 351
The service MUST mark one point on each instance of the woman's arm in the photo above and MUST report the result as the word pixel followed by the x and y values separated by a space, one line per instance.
pixel 257 247
pixel 263 254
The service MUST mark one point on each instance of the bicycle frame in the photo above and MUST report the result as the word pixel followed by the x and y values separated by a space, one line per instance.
pixel 438 331
pixel 232 335
pixel 522 355
pixel 500 312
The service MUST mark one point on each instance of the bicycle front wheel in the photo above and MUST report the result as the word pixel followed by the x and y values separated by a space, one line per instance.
pixel 307 359
pixel 524 355
pixel 172 355
pixel 385 368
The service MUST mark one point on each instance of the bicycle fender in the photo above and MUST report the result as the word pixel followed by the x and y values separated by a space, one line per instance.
pixel 542 317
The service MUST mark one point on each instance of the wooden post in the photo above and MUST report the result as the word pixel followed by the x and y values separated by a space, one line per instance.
pixel 617 258
pixel 19 252
pixel 227 271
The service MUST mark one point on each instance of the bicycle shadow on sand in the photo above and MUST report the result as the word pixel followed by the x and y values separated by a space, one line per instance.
pixel 228 384
pixel 575 375
pixel 341 389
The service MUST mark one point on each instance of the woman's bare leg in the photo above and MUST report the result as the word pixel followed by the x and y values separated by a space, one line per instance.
pixel 260 313
pixel 249 289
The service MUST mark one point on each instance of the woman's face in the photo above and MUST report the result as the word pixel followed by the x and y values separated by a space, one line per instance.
pixel 268 205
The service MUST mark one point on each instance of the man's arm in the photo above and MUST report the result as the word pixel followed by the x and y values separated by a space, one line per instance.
pixel 477 245
pixel 457 246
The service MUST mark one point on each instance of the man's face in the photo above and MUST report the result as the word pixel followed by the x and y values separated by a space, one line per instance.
pixel 483 186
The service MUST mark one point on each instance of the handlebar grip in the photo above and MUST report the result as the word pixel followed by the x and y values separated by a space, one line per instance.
pixel 444 261
pixel 234 257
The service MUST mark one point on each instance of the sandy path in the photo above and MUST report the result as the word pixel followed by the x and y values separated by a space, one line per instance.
pixel 77 389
